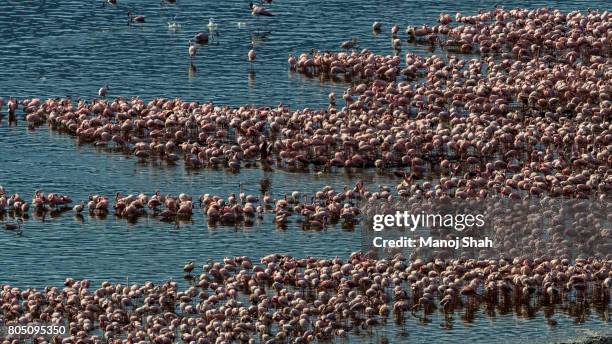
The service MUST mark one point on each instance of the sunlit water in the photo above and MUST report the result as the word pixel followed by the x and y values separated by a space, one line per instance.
pixel 60 48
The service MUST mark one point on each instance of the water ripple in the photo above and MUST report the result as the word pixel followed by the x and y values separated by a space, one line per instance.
pixel 59 48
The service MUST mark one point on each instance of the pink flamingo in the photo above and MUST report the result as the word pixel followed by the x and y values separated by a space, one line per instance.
pixel 192 50
pixel 259 11
pixel 252 55
pixel 135 19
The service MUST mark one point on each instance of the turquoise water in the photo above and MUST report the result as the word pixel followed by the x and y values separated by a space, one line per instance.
pixel 53 49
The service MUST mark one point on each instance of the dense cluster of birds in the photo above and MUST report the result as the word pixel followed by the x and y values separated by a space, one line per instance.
pixel 527 117
pixel 40 201
pixel 314 211
pixel 527 228
pixel 511 124
pixel 534 108
pixel 353 66
pixel 290 300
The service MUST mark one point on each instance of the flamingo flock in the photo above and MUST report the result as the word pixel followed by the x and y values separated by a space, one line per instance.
pixel 354 66
pixel 517 107
pixel 517 122
pixel 302 300
pixel 534 124
pixel 314 211
pixel 572 227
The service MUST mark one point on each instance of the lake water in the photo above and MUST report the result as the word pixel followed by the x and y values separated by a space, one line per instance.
pixel 60 48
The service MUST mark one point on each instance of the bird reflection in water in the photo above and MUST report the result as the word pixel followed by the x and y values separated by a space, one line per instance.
pixel 260 36
pixel 251 78
pixel 192 70
pixel 79 218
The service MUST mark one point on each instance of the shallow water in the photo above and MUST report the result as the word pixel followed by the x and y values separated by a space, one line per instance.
pixel 52 49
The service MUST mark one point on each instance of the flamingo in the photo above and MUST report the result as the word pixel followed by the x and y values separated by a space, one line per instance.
pixel 260 11
pixel 192 50
pixel 135 19
pixel 346 45
pixel 252 55
pixel 103 91
pixel 79 207
pixel 201 38
pixel 188 268
pixel 242 195
pixel 394 30
pixel 16 227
